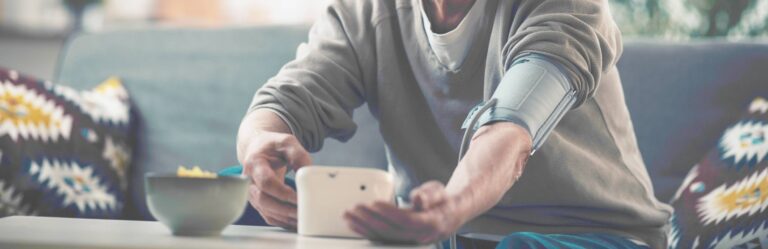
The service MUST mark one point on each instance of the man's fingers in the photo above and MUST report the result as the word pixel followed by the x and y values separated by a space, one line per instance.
pixel 297 157
pixel 279 222
pixel 293 152
pixel 402 218
pixel 359 230
pixel 362 227
pixel 357 226
pixel 283 222
pixel 277 150
pixel 273 211
pixel 390 229
pixel 428 195
pixel 389 212
pixel 371 219
pixel 270 203
pixel 429 187
pixel 249 165
pixel 266 180
pixel 268 217
pixel 265 165
pixel 381 228
pixel 253 169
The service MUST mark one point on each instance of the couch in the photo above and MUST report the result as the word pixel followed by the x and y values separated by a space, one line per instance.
pixel 192 87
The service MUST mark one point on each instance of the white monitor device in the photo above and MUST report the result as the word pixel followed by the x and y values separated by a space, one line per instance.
pixel 325 193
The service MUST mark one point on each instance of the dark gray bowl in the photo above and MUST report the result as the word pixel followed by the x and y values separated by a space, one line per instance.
pixel 196 206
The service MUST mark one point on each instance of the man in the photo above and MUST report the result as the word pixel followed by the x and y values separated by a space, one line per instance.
pixel 422 66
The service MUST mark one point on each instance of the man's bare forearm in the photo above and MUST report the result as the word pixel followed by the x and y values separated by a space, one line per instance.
pixel 496 158
pixel 258 121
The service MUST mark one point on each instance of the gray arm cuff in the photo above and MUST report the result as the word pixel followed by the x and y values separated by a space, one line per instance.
pixel 534 93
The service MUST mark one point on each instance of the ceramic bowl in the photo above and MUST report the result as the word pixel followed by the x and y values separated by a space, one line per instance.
pixel 196 206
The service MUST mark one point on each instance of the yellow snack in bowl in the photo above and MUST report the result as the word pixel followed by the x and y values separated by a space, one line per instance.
pixel 194 172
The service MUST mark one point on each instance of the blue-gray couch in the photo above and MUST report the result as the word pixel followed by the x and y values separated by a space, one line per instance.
pixel 192 87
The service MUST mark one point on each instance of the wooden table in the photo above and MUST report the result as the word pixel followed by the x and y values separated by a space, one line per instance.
pixel 47 232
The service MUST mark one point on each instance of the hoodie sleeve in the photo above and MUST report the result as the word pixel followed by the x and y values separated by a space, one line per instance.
pixel 579 35
pixel 316 93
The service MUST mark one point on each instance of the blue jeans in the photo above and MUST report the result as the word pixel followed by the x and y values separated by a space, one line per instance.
pixel 529 240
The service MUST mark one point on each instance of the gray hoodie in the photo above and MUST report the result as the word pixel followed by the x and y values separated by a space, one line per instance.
pixel 588 177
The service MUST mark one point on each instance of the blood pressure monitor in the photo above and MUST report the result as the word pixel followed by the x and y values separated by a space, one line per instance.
pixel 325 193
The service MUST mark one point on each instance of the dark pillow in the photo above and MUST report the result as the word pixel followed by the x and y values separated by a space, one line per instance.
pixel 63 152
pixel 722 202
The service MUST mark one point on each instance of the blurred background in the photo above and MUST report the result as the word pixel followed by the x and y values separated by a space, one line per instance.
pixel 33 31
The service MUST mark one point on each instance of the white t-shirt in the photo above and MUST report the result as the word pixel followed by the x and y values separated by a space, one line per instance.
pixel 451 48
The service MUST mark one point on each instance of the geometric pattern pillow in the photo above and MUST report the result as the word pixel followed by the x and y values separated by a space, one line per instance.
pixel 63 152
pixel 723 201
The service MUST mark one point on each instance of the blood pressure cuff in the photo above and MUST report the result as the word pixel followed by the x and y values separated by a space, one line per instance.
pixel 534 93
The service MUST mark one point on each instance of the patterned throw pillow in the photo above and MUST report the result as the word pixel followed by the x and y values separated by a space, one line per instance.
pixel 722 202
pixel 63 152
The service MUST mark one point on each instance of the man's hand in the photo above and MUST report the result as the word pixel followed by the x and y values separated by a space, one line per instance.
pixel 494 161
pixel 266 157
pixel 432 217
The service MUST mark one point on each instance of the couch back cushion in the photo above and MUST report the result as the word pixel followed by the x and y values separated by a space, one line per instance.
pixel 191 89
pixel 683 95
